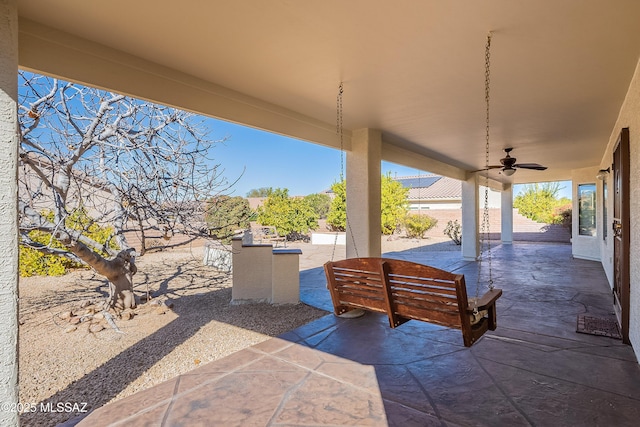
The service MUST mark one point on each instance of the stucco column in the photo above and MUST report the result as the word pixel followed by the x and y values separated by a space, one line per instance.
pixel 363 194
pixel 506 214
pixel 8 210
pixel 470 216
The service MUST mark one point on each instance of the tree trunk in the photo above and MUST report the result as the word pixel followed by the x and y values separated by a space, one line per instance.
pixel 143 238
pixel 118 270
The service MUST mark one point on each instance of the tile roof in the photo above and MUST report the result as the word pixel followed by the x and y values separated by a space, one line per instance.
pixel 432 187
pixel 429 187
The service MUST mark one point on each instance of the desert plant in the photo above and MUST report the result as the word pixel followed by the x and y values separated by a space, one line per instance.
pixel 259 192
pixel 566 218
pixel 539 202
pixel 337 216
pixel 454 231
pixel 320 204
pixel 393 205
pixel 417 225
pixel 287 214
pixel 225 215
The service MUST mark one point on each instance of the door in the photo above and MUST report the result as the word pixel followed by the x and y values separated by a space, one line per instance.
pixel 621 222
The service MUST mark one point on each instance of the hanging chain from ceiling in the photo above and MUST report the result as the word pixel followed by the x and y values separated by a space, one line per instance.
pixel 340 132
pixel 485 231
pixel 339 129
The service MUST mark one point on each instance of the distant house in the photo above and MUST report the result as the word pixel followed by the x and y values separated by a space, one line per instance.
pixel 435 192
pixel 432 192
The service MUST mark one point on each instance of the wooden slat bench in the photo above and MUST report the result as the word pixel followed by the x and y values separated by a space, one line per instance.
pixel 407 290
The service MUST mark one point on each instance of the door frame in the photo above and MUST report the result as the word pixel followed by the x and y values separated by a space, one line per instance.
pixel 621 223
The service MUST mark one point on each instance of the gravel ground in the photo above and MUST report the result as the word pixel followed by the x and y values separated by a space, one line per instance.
pixel 158 343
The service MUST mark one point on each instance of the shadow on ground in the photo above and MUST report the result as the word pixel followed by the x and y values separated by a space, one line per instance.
pixel 204 303
pixel 533 370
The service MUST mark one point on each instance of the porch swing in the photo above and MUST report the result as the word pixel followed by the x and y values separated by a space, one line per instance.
pixel 405 290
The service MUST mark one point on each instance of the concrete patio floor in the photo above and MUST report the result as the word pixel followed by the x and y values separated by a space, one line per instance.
pixel 533 370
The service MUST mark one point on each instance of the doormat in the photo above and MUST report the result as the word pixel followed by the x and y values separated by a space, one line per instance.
pixel 602 326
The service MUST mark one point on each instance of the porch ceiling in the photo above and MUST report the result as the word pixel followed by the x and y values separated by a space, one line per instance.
pixel 413 69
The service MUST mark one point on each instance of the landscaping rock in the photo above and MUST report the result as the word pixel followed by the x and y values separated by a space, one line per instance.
pixel 96 327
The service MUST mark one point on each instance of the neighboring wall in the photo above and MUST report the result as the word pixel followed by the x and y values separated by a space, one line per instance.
pixel 524 229
pixel 629 117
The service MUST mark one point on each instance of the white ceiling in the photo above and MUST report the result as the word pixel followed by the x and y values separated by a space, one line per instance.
pixel 414 69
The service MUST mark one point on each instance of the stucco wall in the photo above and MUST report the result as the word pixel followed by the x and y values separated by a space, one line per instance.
pixel 629 117
pixel 8 212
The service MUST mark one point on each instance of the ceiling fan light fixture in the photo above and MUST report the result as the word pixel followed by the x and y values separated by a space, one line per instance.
pixel 508 171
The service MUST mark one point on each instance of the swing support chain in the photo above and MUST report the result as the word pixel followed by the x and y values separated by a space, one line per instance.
pixel 340 133
pixel 485 230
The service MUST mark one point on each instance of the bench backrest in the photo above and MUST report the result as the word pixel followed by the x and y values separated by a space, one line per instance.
pixel 356 282
pixel 402 289
pixel 426 293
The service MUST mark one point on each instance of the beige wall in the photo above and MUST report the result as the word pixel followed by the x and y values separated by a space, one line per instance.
pixel 629 117
pixel 8 211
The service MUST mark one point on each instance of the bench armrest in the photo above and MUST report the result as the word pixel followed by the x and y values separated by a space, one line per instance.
pixel 485 301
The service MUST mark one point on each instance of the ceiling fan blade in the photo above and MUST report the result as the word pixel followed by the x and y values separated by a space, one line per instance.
pixel 490 167
pixel 533 166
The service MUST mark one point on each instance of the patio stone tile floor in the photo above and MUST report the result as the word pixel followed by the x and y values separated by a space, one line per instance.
pixel 534 370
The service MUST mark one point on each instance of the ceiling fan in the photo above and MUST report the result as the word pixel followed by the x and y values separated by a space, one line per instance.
pixel 509 164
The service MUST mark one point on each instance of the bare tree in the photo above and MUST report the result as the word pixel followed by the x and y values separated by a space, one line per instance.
pixel 129 164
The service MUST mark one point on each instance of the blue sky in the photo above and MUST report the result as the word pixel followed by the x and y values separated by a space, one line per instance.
pixel 263 159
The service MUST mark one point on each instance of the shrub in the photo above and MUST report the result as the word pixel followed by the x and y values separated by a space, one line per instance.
pixel 35 263
pixel 260 192
pixel 320 203
pixel 454 231
pixel 539 202
pixel 337 217
pixel 289 215
pixel 566 218
pixel 227 214
pixel 393 205
pixel 417 225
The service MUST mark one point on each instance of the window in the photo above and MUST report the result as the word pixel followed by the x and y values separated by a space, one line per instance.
pixel 587 209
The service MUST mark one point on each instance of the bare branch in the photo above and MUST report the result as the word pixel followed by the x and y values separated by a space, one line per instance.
pixel 129 164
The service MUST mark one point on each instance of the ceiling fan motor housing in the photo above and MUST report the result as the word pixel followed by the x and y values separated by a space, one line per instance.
pixel 508 161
